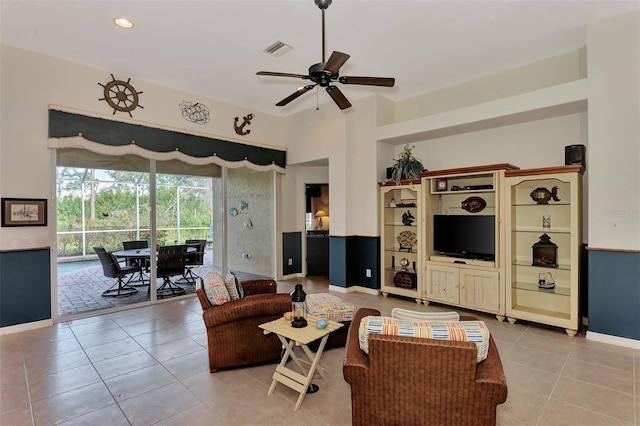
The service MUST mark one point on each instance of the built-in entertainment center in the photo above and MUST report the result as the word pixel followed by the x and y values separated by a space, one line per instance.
pixel 473 239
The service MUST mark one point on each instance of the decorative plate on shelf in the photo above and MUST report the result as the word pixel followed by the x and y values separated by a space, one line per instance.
pixel 474 204
pixel 407 239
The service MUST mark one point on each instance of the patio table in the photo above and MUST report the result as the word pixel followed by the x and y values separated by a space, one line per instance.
pixel 143 253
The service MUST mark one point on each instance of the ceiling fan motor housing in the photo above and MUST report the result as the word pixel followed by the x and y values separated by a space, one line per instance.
pixel 319 75
pixel 323 4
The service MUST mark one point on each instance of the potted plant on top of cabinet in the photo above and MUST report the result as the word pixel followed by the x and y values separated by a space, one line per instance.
pixel 406 166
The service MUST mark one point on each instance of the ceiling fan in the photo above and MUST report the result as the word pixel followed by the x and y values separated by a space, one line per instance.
pixel 326 73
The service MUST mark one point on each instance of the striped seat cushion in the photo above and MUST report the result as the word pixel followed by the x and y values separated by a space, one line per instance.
pixel 328 306
pixel 463 331
pixel 405 314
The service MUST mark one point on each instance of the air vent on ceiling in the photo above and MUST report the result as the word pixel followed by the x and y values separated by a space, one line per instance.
pixel 278 48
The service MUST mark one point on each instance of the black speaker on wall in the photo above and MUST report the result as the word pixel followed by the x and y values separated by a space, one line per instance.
pixel 575 154
pixel 389 172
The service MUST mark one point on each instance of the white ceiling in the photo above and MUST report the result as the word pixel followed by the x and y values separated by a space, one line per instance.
pixel 214 48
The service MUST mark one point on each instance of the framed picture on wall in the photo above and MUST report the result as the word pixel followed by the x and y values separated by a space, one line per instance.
pixel 24 212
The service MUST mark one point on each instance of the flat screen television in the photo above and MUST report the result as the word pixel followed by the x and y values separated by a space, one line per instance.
pixel 468 236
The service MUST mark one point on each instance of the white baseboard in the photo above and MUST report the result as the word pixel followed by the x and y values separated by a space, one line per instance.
pixel 25 327
pixel 613 340
pixel 367 290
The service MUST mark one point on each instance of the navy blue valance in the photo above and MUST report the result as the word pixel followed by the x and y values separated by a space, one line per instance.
pixel 159 144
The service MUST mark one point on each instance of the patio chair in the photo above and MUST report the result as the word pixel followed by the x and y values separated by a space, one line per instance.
pixel 171 262
pixel 144 263
pixel 112 269
pixel 193 260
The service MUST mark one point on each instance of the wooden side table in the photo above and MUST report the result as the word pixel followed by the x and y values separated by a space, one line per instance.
pixel 300 337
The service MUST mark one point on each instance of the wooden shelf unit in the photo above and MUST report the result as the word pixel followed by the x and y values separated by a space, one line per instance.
pixel 525 300
pixel 408 199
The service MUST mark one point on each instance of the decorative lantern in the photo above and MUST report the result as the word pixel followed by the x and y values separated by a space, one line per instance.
pixel 545 253
pixel 299 307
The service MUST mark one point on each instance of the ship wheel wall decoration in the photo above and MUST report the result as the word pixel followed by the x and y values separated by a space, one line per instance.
pixel 121 96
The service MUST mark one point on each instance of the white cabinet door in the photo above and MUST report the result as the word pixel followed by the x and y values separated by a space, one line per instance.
pixel 480 290
pixel 443 284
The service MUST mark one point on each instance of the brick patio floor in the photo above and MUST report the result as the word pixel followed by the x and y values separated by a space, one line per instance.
pixel 80 291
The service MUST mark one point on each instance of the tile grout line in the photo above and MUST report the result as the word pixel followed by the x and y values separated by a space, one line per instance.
pixel 555 385
pixel 26 377
pixel 99 375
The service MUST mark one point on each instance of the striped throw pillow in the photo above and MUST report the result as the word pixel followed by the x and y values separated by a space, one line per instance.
pixel 230 283
pixel 461 331
pixel 214 288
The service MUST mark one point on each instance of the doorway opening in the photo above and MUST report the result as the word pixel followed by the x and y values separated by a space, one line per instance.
pixel 317 229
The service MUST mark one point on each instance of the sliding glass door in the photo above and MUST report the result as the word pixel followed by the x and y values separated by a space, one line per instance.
pixel 104 201
pixel 186 210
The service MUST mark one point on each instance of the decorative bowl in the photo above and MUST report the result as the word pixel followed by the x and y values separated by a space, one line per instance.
pixel 322 323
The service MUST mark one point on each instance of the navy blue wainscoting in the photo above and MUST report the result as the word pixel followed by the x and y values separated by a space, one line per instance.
pixel 25 286
pixel 291 249
pixel 614 293
pixel 350 257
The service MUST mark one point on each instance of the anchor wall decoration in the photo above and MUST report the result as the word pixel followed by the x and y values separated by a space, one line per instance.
pixel 240 129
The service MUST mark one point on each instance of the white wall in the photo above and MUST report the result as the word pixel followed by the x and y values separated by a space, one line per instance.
pixel 527 145
pixel 361 172
pixel 543 73
pixel 614 132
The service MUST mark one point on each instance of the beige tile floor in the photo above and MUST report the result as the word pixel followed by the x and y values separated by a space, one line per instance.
pixel 149 366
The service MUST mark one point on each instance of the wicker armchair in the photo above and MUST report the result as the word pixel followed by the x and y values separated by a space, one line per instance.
pixel 415 381
pixel 233 335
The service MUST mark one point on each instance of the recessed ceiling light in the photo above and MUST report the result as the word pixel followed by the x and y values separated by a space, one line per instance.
pixel 123 23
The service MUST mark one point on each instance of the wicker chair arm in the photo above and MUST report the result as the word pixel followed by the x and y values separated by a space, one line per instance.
pixel 354 357
pixel 253 287
pixel 248 307
pixel 490 372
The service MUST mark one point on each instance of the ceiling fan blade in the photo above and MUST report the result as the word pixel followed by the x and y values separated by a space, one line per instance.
pixel 282 74
pixel 338 97
pixel 296 94
pixel 368 81
pixel 336 60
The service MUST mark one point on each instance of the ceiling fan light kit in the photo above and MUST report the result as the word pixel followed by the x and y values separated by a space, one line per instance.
pixel 325 73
